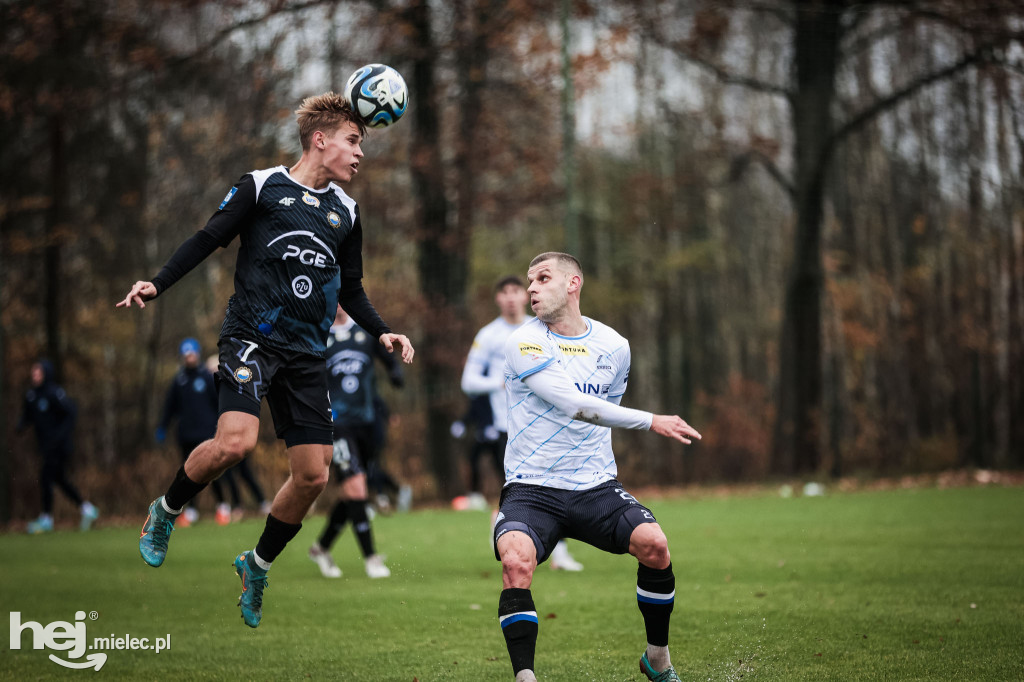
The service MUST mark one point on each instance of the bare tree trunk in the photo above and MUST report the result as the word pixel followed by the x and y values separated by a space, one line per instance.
pixel 55 227
pixel 442 256
pixel 799 429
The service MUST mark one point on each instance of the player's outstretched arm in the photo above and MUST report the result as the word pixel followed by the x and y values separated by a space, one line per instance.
pixel 673 427
pixel 389 340
pixel 141 291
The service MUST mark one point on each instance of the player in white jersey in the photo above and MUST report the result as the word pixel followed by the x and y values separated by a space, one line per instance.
pixel 484 376
pixel 565 375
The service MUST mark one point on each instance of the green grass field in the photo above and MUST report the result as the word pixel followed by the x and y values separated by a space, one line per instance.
pixel 921 584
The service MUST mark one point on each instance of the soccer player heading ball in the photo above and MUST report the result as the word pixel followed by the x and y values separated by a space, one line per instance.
pixel 300 256
pixel 565 375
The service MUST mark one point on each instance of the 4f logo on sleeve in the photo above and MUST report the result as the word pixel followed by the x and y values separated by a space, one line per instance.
pixel 287 201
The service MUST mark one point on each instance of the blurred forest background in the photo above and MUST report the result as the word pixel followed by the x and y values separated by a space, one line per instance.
pixel 807 217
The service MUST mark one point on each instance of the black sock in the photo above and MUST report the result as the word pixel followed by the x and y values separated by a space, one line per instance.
pixel 335 524
pixel 655 595
pixel 182 490
pixel 361 525
pixel 518 618
pixel 276 534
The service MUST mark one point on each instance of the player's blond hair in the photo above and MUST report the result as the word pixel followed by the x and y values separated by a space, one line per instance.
pixel 565 261
pixel 326 112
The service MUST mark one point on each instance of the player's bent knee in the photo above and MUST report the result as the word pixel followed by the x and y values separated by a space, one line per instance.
pixel 517 571
pixel 313 481
pixel 655 556
pixel 518 559
pixel 233 450
pixel 650 546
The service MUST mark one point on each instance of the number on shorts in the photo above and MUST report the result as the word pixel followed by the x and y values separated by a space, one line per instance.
pixel 626 496
pixel 251 347
pixel 342 455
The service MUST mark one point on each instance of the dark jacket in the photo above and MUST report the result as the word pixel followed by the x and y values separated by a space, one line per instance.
pixel 192 399
pixel 49 409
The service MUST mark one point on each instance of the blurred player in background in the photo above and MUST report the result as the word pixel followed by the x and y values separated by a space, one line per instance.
pixel 566 375
pixel 352 381
pixel 192 400
pixel 52 413
pixel 483 380
pixel 382 484
pixel 300 257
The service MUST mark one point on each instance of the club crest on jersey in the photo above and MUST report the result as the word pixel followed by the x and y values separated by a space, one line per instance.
pixel 308 198
pixel 334 219
pixel 243 375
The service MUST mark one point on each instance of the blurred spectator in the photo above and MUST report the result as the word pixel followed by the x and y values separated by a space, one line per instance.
pixel 49 409
pixel 192 400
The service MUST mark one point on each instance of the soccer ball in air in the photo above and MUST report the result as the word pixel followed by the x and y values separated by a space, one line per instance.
pixel 377 94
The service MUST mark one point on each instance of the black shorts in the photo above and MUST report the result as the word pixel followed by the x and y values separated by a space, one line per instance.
pixel 354 447
pixel 604 516
pixel 295 385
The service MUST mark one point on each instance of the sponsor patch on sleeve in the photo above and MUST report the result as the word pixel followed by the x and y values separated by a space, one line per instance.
pixel 227 198
pixel 530 349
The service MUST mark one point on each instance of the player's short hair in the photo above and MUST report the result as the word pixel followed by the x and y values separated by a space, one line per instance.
pixel 565 260
pixel 508 280
pixel 326 112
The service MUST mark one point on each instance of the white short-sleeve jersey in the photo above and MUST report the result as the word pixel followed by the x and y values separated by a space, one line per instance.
pixel 485 367
pixel 545 445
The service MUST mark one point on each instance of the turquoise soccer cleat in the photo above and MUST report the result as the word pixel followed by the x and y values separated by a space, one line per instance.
pixel 44 524
pixel 89 514
pixel 254 581
pixel 156 532
pixel 667 675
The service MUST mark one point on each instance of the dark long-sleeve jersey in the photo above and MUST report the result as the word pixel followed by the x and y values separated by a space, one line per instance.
pixel 300 255
pixel 351 378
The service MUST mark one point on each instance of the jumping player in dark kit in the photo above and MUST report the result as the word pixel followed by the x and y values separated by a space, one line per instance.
pixel 353 386
pixel 300 257
pixel 565 375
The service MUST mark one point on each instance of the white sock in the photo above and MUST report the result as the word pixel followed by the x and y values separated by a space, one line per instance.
pixel 265 565
pixel 163 503
pixel 526 676
pixel 658 657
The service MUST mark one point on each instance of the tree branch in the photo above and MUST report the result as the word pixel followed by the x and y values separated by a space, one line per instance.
pixel 724 76
pixel 222 34
pixel 741 162
pixel 898 96
pixel 689 53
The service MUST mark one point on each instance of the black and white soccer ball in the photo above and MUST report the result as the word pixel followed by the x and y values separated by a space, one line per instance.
pixel 378 95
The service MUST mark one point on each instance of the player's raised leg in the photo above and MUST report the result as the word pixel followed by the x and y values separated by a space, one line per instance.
pixel 307 480
pixel 516 612
pixel 235 438
pixel 655 595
